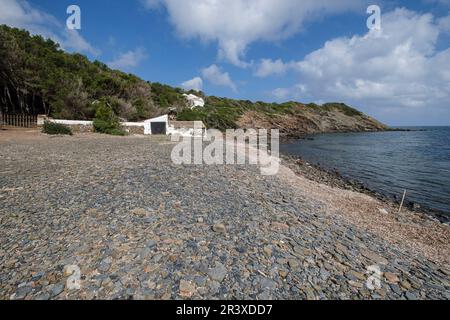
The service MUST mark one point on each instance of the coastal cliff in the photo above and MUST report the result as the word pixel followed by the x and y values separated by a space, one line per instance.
pixel 308 119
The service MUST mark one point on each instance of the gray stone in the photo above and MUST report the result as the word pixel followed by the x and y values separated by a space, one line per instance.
pixel 57 290
pixel 200 281
pixel 151 244
pixel 324 274
pixel 374 257
pixel 396 289
pixel 214 287
pixel 105 265
pixel 43 296
pixel 410 296
pixel 293 263
pixel 22 292
pixel 265 295
pixel 268 284
pixel 218 273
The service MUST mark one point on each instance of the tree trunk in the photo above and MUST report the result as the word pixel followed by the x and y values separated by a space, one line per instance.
pixel 9 97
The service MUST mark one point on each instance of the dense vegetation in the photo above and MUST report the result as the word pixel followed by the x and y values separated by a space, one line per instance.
pixel 37 77
pixel 223 113
pixel 55 128
pixel 106 121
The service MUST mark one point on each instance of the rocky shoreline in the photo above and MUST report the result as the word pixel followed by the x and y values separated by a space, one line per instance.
pixel 140 227
pixel 334 179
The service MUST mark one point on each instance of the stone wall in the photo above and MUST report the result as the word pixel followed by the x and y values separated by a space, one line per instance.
pixel 134 129
pixel 81 128
pixel 87 126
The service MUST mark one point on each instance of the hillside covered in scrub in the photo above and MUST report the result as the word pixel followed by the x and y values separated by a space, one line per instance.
pixel 38 77
pixel 291 118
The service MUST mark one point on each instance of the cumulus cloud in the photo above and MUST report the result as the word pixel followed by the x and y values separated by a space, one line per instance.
pixel 281 93
pixel 268 67
pixel 20 14
pixel 72 40
pixel 444 23
pixel 128 60
pixel 295 92
pixel 382 70
pixel 193 84
pixel 218 77
pixel 234 24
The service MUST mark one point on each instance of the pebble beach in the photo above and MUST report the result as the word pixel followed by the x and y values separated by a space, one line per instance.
pixel 140 227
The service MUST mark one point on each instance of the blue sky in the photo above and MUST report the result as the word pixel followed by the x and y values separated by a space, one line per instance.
pixel 270 50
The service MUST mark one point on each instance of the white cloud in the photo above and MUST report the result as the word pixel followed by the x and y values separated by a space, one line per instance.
pixel 444 23
pixel 128 60
pixel 268 67
pixel 216 76
pixel 281 93
pixel 295 92
pixel 72 40
pixel 20 14
pixel 234 24
pixel 394 68
pixel 193 84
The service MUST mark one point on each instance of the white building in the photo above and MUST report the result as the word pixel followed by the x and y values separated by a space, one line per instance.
pixel 194 101
pixel 163 126
pixel 157 126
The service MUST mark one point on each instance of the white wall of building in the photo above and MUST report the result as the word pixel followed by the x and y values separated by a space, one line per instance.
pixel 148 123
pixel 41 121
pixel 170 130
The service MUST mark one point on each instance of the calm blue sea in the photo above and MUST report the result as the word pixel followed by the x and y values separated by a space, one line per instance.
pixel 387 162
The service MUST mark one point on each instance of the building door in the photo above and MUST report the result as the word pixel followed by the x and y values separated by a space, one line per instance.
pixel 158 128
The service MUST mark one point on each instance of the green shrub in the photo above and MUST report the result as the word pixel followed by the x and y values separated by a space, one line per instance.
pixel 221 115
pixel 56 128
pixel 349 111
pixel 106 121
pixel 117 132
